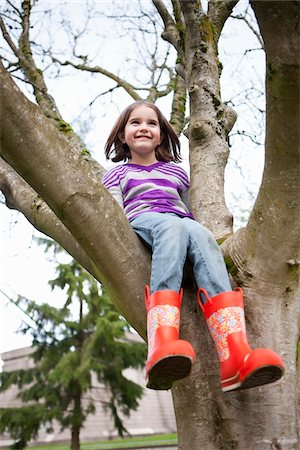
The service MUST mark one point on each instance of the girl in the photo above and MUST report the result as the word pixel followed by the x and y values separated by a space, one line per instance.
pixel 153 190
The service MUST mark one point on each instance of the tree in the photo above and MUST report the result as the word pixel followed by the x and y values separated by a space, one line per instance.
pixel 71 344
pixel 262 257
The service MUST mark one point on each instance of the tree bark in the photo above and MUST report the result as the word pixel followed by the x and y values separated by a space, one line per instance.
pixel 77 420
pixel 75 442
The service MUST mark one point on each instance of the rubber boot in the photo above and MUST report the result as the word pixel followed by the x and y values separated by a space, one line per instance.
pixel 240 367
pixel 169 358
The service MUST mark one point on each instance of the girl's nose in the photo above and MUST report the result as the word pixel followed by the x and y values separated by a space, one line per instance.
pixel 144 126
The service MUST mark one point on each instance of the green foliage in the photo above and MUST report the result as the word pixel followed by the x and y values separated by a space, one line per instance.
pixel 86 335
pixel 18 424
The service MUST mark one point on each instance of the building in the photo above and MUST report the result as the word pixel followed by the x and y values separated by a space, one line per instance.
pixel 155 414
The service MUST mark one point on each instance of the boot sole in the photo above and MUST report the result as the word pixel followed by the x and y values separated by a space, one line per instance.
pixel 259 377
pixel 162 375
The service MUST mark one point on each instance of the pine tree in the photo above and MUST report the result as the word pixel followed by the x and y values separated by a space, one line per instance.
pixel 85 336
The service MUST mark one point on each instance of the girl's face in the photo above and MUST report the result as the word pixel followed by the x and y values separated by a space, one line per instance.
pixel 142 135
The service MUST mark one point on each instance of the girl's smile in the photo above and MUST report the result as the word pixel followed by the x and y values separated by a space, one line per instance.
pixel 142 135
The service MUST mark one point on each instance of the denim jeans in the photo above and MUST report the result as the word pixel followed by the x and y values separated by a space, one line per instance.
pixel 173 239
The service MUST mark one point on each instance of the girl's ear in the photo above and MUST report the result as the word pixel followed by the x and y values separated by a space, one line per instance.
pixel 121 136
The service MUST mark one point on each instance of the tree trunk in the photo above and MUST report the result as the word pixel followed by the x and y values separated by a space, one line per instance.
pixel 77 421
pixel 75 442
pixel 265 256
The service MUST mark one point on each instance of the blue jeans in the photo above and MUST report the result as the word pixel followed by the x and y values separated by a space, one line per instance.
pixel 173 239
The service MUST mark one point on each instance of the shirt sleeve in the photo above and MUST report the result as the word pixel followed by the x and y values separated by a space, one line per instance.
pixel 185 190
pixel 112 184
pixel 185 197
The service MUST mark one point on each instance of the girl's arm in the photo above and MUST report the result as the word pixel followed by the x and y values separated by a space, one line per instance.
pixel 185 187
pixel 185 197
pixel 111 182
pixel 117 195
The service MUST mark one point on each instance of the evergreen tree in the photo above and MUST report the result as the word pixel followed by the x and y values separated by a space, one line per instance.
pixel 85 336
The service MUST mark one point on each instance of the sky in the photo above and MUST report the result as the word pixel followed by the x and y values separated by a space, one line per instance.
pixel 24 267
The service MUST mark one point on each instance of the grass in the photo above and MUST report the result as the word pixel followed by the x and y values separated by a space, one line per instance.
pixel 134 442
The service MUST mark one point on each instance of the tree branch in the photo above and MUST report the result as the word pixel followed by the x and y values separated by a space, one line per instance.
pixel 14 8
pixel 218 13
pixel 129 88
pixel 60 174
pixel 170 33
pixel 254 31
pixel 33 74
pixel 177 119
pixel 192 13
pixel 21 197
pixel 8 39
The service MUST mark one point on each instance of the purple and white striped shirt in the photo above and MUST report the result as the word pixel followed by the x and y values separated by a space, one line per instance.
pixel 160 187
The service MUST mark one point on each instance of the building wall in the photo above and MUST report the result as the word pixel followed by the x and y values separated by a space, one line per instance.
pixel 154 415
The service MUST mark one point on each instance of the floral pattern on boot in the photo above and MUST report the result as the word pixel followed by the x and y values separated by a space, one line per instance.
pixel 159 316
pixel 224 322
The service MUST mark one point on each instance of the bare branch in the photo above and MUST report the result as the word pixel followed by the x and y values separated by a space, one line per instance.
pixel 178 105
pixel 192 16
pixel 14 8
pixel 218 13
pixel 8 39
pixel 170 33
pixel 27 64
pixel 24 38
pixel 129 88
pixel 164 13
pixel 252 28
pixel 35 77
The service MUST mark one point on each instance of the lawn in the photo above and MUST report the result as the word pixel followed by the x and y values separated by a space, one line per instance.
pixel 135 442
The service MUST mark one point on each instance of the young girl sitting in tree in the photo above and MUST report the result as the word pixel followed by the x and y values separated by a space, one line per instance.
pixel 151 189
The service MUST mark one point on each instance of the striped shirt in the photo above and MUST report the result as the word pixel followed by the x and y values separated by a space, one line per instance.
pixel 161 187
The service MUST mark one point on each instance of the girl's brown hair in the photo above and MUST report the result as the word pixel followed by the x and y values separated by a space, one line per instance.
pixel 168 150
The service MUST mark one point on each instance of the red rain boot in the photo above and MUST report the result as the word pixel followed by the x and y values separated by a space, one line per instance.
pixel 241 367
pixel 169 358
